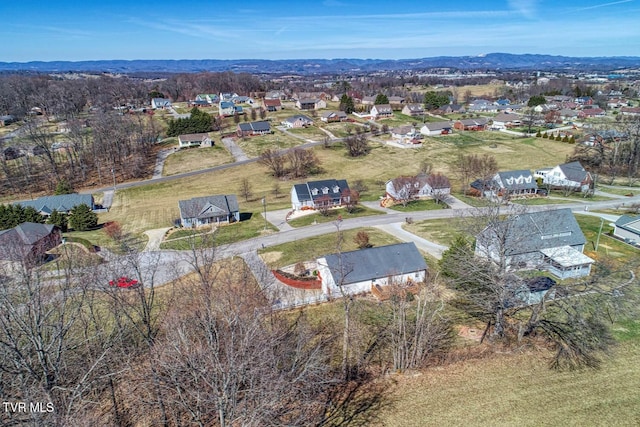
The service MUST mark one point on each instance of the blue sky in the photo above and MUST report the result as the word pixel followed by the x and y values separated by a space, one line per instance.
pixel 277 29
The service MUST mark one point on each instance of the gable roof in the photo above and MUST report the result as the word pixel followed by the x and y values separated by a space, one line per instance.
pixel 383 108
pixel 28 233
pixel 517 180
pixel 301 117
pixel 437 125
pixel 193 137
pixel 328 114
pixel 629 223
pixel 574 171
pixel 305 191
pixel 61 203
pixel 535 231
pixel 208 206
pixel 262 126
pixel 507 117
pixel 375 263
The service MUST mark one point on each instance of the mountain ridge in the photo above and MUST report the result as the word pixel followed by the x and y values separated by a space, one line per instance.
pixel 490 61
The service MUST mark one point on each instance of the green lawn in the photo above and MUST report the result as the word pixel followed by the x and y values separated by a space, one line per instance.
pixel 190 159
pixel 332 215
pixel 419 205
pixel 231 233
pixel 314 247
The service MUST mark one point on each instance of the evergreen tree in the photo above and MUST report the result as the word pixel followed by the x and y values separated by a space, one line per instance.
pixel 346 104
pixel 58 219
pixel 381 99
pixel 434 100
pixel 82 218
pixel 536 100
pixel 63 187
pixel 30 214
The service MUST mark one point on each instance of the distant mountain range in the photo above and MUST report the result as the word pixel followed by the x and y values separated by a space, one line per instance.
pixel 492 61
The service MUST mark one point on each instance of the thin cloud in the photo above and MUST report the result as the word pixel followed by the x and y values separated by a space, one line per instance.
pixel 598 6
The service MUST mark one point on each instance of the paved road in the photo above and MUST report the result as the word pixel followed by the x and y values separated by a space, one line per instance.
pixel 234 149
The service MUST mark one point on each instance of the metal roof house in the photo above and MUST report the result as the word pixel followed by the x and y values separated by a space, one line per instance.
pixel 62 203
pixel 309 194
pixel 356 272
pixel 550 240
pixel 207 210
pixel 627 228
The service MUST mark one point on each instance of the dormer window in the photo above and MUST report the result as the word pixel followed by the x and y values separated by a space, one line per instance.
pixel 325 190
pixel 314 191
pixel 336 189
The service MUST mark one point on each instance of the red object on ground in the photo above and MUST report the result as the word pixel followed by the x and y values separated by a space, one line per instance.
pixel 124 282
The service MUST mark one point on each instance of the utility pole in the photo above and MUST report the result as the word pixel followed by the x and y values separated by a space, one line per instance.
pixel 599 232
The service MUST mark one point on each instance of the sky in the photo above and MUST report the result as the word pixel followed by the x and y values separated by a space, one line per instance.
pixel 63 30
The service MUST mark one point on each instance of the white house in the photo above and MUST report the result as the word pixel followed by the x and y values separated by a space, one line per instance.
pixel 515 183
pixel 436 128
pixel 420 186
pixel 404 134
pixel 297 121
pixel 572 175
pixel 194 140
pixel 550 240
pixel 506 120
pixel 627 228
pixel 380 111
pixel 160 103
pixel 356 272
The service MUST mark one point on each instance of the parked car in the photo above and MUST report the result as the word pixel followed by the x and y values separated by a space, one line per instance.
pixel 124 282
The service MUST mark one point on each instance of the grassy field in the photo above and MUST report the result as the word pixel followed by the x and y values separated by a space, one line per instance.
pixel 332 215
pixel 156 205
pixel 520 390
pixel 191 159
pixel 419 205
pixel 313 247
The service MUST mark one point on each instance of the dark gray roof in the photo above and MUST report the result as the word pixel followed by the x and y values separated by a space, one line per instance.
pixel 27 233
pixel 208 206
pixel 629 223
pixel 62 203
pixel 532 232
pixel 375 263
pixel 438 125
pixel 509 180
pixel 574 171
pixel 262 126
pixel 480 121
pixel 328 114
pixel 305 191
pixel 293 119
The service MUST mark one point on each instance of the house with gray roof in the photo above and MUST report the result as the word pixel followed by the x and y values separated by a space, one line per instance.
pixel 356 272
pixel 436 128
pixel 413 110
pixel 208 210
pixel 62 203
pixel 297 121
pixel 28 242
pixel 627 228
pixel 333 116
pixel 380 111
pixel 160 103
pixel 568 175
pixel 514 183
pixel 253 128
pixel 550 240
pixel 313 193
pixel 194 140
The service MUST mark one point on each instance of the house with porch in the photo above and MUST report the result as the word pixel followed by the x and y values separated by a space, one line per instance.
pixel 359 271
pixel 310 104
pixel 627 228
pixel 546 240
pixel 194 140
pixel 381 111
pixel 506 121
pixel 333 116
pixel 419 186
pixel 413 110
pixel 405 134
pixel 436 128
pixel 272 104
pixel 253 128
pixel 567 175
pixel 477 124
pixel 514 183
pixel 297 121
pixel 310 195
pixel 28 242
pixel 160 103
pixel 208 210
